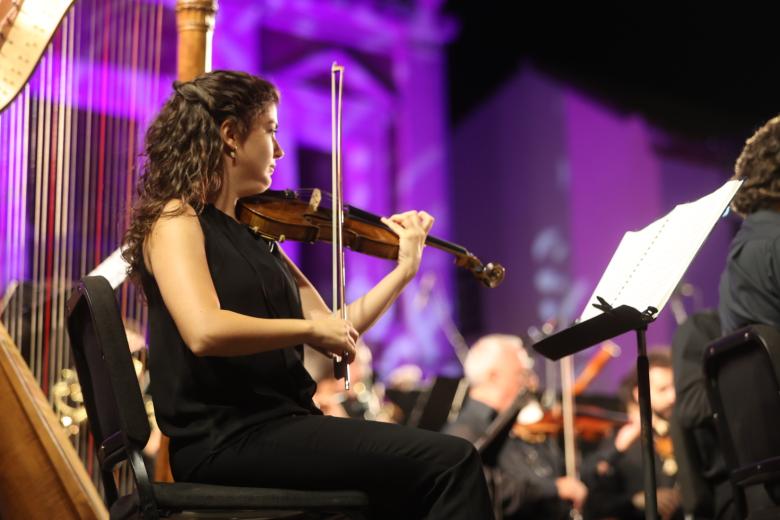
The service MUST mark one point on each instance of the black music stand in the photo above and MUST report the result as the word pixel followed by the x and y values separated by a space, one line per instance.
pixel 645 268
pixel 610 324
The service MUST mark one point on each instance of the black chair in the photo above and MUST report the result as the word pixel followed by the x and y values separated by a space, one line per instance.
pixel 120 427
pixel 743 387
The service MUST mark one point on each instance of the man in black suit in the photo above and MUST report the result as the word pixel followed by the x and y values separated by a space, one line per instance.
pixel 527 473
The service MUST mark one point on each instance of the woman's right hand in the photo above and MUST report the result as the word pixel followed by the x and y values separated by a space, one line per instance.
pixel 334 336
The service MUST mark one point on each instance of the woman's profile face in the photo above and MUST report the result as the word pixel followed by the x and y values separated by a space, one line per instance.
pixel 256 157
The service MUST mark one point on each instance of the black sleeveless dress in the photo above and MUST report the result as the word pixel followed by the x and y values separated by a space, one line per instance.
pixel 203 402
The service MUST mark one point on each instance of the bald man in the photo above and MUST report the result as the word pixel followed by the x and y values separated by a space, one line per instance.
pixel 527 475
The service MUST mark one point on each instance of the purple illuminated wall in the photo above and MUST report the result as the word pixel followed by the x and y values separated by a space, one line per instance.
pixel 558 178
pixel 511 180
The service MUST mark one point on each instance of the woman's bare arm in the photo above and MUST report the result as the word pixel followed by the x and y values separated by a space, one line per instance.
pixel 175 255
pixel 412 228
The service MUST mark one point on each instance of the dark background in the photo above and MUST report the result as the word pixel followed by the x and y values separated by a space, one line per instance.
pixel 697 69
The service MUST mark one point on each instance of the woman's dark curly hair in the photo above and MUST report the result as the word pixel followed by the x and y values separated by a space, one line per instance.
pixel 184 150
pixel 759 166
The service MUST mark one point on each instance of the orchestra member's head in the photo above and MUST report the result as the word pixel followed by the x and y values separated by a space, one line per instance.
pixel 627 394
pixel 662 399
pixel 497 368
pixel 215 132
pixel 759 166
pixel 662 394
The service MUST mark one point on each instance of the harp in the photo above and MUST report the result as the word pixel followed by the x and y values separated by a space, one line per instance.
pixel 26 28
pixel 79 82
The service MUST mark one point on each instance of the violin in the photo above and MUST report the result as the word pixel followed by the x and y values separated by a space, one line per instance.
pixel 662 441
pixel 591 424
pixel 305 215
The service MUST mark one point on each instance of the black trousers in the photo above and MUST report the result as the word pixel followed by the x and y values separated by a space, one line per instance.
pixel 407 473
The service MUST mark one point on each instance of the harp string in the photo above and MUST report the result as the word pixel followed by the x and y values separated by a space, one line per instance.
pixel 72 125
pixel 48 221
pixel 60 228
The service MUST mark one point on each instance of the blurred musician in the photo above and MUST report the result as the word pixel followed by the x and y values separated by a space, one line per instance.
pixel 527 479
pixel 614 474
pixel 364 400
pixel 750 285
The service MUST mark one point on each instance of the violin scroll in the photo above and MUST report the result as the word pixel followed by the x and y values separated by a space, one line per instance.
pixel 492 274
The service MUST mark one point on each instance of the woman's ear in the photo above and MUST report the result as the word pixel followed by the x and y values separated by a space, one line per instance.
pixel 228 132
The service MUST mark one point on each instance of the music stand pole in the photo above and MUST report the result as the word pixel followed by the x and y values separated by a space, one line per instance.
pixel 645 419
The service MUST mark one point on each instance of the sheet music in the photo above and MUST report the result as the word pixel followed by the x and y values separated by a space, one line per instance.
pixel 24 41
pixel 648 264
pixel 114 269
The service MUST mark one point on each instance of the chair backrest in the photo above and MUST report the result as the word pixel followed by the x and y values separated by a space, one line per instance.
pixel 743 373
pixel 743 376
pixel 112 395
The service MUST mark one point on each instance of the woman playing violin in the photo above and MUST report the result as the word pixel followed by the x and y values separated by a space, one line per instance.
pixel 229 313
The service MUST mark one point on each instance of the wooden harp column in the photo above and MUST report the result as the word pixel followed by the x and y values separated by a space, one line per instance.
pixel 195 26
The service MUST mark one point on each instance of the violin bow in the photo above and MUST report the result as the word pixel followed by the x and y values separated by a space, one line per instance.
pixel 340 365
pixel 569 389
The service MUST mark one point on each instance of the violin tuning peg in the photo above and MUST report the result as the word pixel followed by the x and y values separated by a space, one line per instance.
pixel 315 200
pixel 494 274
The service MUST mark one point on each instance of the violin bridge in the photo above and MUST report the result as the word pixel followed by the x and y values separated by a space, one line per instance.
pixel 314 200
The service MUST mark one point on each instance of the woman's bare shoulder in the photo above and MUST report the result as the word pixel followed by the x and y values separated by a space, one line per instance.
pixel 177 207
pixel 176 229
